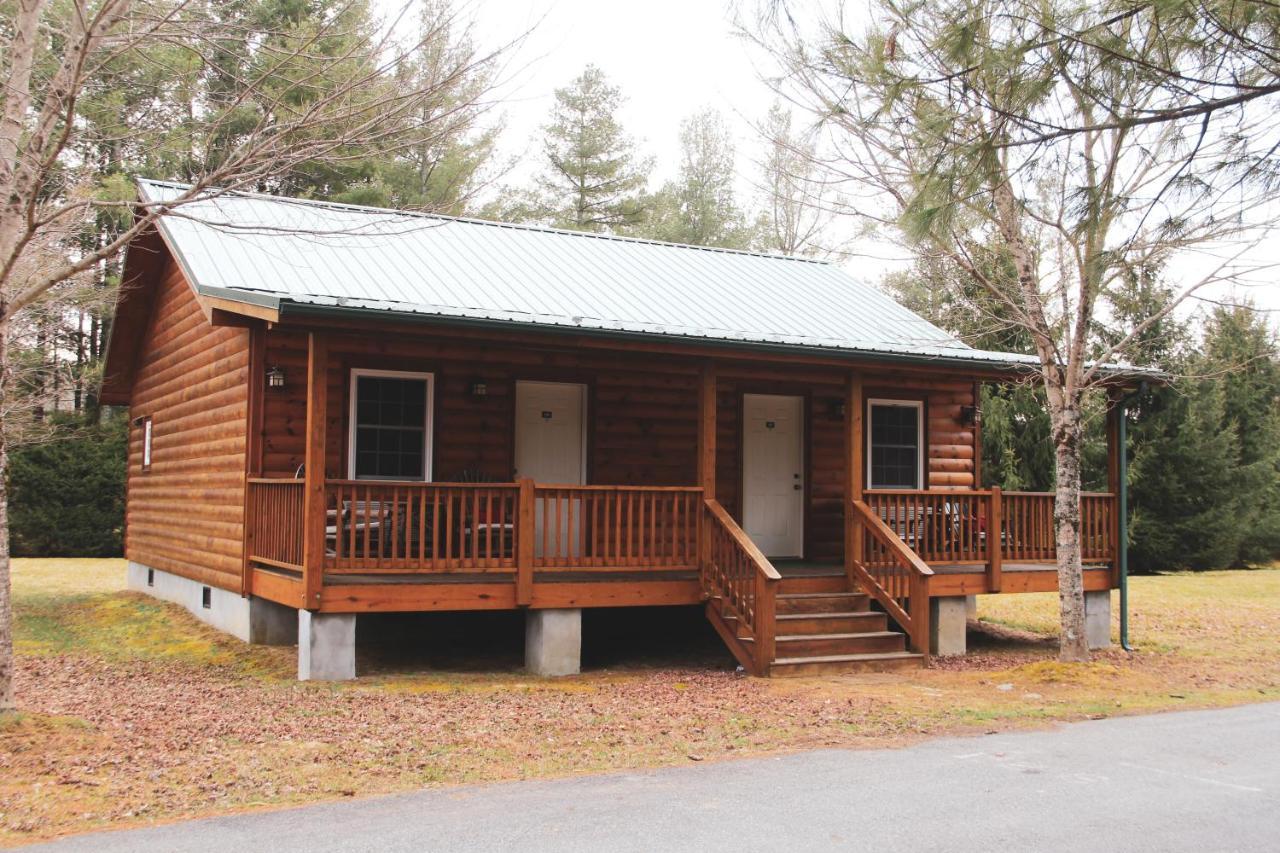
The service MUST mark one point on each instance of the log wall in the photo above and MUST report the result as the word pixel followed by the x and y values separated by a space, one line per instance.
pixel 185 514
pixel 642 413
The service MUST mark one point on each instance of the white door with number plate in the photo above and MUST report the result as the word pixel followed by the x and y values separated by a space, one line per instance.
pixel 773 473
pixel 551 447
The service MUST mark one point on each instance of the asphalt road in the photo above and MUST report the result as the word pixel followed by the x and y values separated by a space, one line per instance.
pixel 1202 781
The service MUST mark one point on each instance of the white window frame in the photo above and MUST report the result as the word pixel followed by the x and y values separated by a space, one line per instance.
pixel 918 405
pixel 428 427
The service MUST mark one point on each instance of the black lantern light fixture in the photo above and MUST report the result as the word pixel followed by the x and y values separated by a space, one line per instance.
pixel 275 377
pixel 479 388
pixel 970 415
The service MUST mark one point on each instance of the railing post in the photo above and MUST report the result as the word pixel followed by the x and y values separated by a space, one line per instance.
pixel 995 539
pixel 526 512
pixel 918 607
pixel 766 614
pixel 313 501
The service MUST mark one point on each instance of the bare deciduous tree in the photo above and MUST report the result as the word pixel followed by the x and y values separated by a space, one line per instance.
pixel 311 96
pixel 1029 127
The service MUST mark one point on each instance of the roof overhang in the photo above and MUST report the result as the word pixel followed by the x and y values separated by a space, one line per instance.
pixel 303 313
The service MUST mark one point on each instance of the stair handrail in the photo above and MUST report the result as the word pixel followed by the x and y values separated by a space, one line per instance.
pixel 754 607
pixel 907 579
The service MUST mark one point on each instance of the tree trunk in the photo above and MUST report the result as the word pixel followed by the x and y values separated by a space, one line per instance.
pixel 6 602
pixel 1073 645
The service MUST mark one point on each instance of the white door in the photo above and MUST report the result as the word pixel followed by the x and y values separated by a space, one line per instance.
pixel 551 449
pixel 773 473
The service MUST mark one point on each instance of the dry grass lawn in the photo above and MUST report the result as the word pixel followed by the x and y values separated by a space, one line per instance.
pixel 134 712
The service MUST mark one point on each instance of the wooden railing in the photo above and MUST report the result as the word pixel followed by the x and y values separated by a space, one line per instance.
pixel 400 527
pixel 274 523
pixel 742 583
pixel 940 526
pixel 960 526
pixel 1028 530
pixel 611 528
pixel 894 575
pixel 405 527
pixel 1098 526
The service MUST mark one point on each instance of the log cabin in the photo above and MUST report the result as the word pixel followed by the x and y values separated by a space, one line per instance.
pixel 339 411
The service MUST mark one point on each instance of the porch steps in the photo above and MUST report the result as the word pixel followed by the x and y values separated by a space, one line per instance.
pixel 823 628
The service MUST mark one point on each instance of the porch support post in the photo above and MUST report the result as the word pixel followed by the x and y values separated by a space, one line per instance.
pixel 253 446
pixel 948 618
pixel 706 458
pixel 553 642
pixel 853 469
pixel 526 511
pixel 1115 410
pixel 1097 618
pixel 313 508
pixel 707 430
pixel 326 646
pixel 995 540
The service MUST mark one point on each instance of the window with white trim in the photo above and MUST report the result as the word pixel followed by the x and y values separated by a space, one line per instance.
pixel 895 457
pixel 390 425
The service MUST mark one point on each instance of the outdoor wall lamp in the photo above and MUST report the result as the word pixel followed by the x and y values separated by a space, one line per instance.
pixel 970 415
pixel 275 377
pixel 479 389
pixel 836 409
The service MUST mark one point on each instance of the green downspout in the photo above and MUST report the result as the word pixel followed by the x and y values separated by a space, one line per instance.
pixel 1123 504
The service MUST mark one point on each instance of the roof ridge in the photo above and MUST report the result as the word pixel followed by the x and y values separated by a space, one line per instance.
pixel 492 223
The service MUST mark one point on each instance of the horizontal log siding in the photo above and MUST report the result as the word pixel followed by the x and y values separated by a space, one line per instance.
pixel 185 515
pixel 642 424
pixel 642 416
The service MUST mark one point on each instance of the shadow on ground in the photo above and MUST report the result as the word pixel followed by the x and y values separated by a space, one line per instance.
pixel 612 638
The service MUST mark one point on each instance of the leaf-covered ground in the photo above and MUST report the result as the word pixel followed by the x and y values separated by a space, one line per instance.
pixel 133 712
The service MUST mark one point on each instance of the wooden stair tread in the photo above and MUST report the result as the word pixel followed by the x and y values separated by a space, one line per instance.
pixel 856 658
pixel 846 636
pixel 845 594
pixel 833 615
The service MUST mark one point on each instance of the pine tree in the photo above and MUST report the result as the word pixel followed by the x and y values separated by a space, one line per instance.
pixel 1241 353
pixel 1186 501
pixel 593 180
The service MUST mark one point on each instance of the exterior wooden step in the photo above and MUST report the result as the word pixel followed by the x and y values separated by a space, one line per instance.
pixel 820 645
pixel 812 583
pixel 834 664
pixel 823 602
pixel 832 623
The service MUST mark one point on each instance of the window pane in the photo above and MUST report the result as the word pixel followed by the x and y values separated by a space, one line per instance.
pixel 390 427
pixel 895 447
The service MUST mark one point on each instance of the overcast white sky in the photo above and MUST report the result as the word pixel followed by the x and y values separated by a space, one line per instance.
pixel 670 58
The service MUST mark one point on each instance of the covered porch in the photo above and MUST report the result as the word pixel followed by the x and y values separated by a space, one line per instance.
pixel 329 540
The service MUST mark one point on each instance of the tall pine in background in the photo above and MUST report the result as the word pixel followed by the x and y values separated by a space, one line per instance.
pixel 592 178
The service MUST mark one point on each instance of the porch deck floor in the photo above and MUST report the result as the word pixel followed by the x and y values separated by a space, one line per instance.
pixel 788 568
pixel 979 568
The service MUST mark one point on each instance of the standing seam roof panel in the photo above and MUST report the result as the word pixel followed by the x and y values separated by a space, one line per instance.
pixel 324 254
